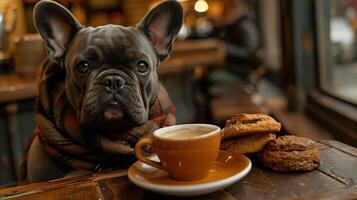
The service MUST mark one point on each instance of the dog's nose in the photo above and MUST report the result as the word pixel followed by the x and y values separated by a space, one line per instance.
pixel 113 83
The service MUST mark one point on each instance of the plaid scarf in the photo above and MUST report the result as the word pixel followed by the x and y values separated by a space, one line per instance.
pixel 59 132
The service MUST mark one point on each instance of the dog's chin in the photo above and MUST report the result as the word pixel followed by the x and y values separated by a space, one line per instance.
pixel 113 114
pixel 116 119
pixel 113 118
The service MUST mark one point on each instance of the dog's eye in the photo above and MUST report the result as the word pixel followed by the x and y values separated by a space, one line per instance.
pixel 142 66
pixel 83 67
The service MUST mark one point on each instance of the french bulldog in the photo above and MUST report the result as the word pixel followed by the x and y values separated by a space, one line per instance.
pixel 110 71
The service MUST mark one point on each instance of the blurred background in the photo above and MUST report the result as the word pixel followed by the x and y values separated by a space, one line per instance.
pixel 293 59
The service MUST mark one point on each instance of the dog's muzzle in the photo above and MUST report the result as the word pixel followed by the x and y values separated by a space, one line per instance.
pixel 113 83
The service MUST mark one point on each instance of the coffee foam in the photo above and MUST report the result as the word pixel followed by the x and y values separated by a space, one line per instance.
pixel 186 133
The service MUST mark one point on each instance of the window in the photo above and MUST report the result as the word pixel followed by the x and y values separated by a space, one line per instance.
pixel 337 48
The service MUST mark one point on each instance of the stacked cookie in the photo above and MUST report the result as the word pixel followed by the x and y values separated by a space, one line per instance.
pixel 252 133
pixel 248 133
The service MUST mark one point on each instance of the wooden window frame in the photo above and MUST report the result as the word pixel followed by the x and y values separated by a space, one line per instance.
pixel 332 112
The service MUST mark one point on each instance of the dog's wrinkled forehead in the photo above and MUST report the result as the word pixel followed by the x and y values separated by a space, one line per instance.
pixel 113 42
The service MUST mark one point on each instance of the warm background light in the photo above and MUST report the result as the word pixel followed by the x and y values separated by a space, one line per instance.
pixel 201 6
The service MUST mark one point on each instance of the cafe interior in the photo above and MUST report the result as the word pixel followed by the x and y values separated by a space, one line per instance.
pixel 295 60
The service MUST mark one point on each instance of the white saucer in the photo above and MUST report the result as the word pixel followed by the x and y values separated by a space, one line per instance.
pixel 227 169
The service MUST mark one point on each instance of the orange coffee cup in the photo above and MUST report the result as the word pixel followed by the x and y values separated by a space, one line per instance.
pixel 186 151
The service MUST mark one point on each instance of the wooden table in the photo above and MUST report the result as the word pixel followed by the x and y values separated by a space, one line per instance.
pixel 335 178
pixel 14 87
pixel 190 54
pixel 185 55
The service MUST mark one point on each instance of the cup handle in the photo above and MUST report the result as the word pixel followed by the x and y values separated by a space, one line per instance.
pixel 142 158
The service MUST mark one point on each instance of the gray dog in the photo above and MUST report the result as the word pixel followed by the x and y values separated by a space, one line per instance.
pixel 109 78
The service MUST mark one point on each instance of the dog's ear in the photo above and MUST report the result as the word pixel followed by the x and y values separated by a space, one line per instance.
pixel 161 25
pixel 56 25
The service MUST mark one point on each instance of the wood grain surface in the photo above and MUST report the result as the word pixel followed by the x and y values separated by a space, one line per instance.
pixel 335 178
pixel 14 87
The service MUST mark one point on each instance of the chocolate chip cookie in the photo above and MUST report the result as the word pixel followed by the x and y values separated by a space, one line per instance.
pixel 290 153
